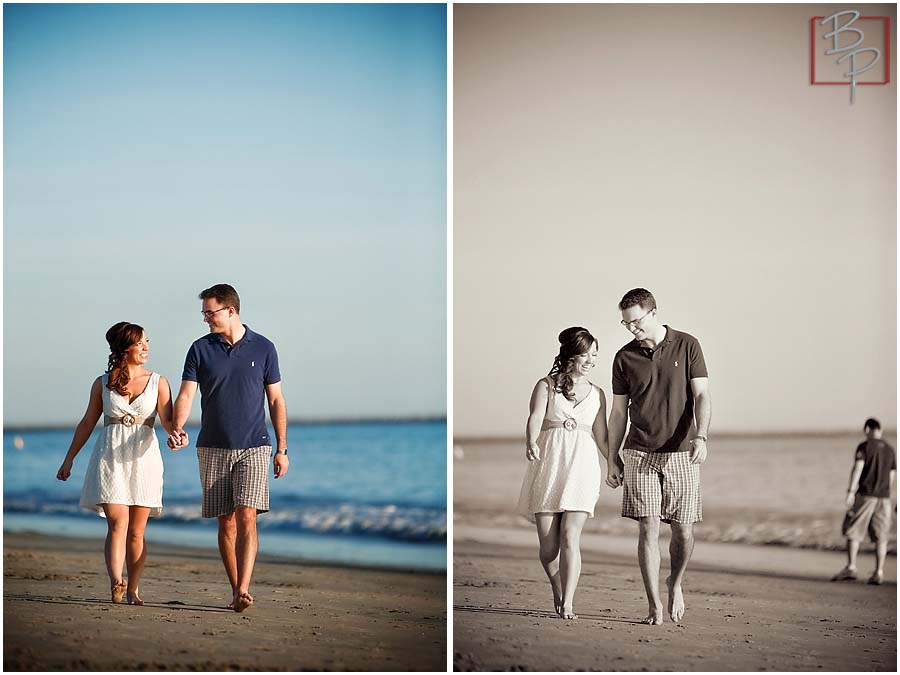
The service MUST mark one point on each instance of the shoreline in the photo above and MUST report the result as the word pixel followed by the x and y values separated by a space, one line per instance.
pixel 306 616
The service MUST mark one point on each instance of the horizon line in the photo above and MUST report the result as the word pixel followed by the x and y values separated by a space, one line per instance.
pixel 723 435
pixel 314 421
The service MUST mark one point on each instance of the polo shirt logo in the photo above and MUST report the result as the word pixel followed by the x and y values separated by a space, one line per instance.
pixel 676 364
pixel 253 364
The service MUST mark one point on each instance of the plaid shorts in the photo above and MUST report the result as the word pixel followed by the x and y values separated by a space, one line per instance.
pixel 232 478
pixel 872 515
pixel 663 484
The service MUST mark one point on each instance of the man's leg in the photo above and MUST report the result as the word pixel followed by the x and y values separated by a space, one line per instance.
pixel 852 551
pixel 227 543
pixel 681 547
pixel 246 547
pixel 648 559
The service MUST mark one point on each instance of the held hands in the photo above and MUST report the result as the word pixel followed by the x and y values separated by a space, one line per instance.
pixel 698 451
pixel 65 470
pixel 614 474
pixel 531 452
pixel 177 439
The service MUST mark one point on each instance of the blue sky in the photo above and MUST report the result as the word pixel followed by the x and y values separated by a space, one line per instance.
pixel 297 152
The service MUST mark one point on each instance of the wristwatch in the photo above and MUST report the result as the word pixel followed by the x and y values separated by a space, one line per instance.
pixel 702 438
pixel 283 451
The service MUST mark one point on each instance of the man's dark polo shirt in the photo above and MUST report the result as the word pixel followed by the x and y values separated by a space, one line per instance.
pixel 658 384
pixel 232 381
pixel 879 460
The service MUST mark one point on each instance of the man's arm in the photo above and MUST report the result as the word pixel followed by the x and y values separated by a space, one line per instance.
pixel 180 413
pixel 278 413
pixel 853 487
pixel 618 418
pixel 702 413
pixel 537 409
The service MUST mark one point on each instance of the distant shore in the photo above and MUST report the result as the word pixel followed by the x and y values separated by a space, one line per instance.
pixel 57 614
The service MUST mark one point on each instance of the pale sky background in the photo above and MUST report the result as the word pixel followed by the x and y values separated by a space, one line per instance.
pixel 297 152
pixel 599 148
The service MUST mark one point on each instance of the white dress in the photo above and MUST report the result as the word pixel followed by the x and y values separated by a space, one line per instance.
pixel 567 476
pixel 126 466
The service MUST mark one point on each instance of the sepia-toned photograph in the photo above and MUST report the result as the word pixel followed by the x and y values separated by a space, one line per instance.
pixel 674 337
pixel 225 327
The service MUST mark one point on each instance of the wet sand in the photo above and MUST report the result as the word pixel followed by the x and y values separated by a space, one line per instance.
pixel 746 610
pixel 57 614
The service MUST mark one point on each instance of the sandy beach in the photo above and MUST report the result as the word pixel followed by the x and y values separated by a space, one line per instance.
pixel 57 614
pixel 750 606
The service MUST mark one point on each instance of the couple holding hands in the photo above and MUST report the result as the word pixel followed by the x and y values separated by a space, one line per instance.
pixel 236 371
pixel 660 382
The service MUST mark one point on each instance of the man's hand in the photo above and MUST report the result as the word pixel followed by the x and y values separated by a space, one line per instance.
pixel 281 463
pixel 177 439
pixel 698 451
pixel 614 474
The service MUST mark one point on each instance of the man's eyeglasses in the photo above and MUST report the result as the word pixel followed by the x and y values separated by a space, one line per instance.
pixel 635 322
pixel 208 314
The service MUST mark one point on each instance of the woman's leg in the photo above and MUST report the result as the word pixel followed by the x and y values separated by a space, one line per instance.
pixel 114 550
pixel 136 550
pixel 570 557
pixel 548 536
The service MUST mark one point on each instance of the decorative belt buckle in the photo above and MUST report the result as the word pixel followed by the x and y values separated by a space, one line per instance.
pixel 570 424
pixel 127 420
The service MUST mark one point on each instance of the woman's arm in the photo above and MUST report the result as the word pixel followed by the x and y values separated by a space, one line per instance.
pixel 164 405
pixel 83 430
pixel 601 433
pixel 537 410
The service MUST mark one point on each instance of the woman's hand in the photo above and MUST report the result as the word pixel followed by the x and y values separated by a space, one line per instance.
pixel 64 471
pixel 532 453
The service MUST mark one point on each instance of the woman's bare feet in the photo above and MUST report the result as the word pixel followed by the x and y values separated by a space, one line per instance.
pixel 134 598
pixel 242 602
pixel 556 586
pixel 118 591
pixel 567 613
pixel 654 618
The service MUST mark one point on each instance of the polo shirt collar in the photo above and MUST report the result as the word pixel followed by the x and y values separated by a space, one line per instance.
pixel 249 336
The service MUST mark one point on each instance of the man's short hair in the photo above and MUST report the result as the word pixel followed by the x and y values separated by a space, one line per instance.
pixel 872 424
pixel 224 294
pixel 638 296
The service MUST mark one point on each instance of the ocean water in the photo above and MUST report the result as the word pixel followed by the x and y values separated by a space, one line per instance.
pixel 356 493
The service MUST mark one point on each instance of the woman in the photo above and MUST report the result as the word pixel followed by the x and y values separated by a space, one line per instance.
pixel 124 482
pixel 566 426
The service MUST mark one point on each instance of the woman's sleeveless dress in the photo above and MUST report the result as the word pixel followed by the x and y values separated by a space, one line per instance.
pixel 126 466
pixel 567 476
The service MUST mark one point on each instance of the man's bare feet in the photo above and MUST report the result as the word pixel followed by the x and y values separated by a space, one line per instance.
pixel 567 613
pixel 134 598
pixel 242 602
pixel 654 618
pixel 676 601
pixel 118 591
pixel 846 574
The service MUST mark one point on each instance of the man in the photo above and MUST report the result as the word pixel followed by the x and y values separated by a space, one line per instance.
pixel 869 501
pixel 660 381
pixel 236 369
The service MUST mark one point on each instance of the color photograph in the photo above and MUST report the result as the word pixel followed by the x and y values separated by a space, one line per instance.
pixel 674 337
pixel 228 223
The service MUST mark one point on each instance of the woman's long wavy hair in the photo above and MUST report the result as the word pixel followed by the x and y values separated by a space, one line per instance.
pixel 572 342
pixel 120 337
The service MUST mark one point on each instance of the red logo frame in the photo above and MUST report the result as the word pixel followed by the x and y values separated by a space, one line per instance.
pixel 887 50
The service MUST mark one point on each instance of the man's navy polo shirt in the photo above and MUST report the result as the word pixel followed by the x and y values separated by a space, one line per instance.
pixel 658 385
pixel 232 381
